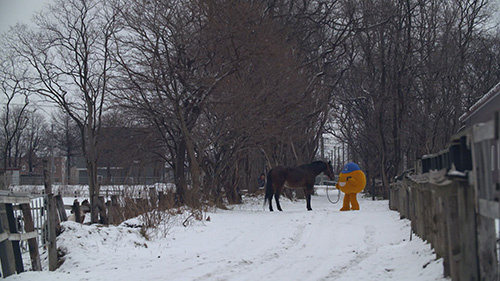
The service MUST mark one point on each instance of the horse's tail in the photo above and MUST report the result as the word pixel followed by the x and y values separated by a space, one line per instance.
pixel 269 188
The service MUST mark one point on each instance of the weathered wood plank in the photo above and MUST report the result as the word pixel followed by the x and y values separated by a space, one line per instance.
pixel 453 237
pixel 60 208
pixel 486 244
pixel 14 200
pixel 52 221
pixel 468 239
pixel 6 252
pixel 52 229
pixel 102 210
pixel 113 210
pixel 4 236
pixel 21 236
pixel 29 227
pixel 76 211
pixel 484 131
pixel 489 209
pixel 13 238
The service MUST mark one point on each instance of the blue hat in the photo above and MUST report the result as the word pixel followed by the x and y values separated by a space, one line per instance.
pixel 350 167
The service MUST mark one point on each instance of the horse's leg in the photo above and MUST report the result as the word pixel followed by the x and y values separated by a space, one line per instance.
pixel 269 190
pixel 308 192
pixel 277 197
pixel 271 202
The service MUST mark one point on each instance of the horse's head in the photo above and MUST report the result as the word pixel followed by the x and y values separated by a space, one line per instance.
pixel 329 171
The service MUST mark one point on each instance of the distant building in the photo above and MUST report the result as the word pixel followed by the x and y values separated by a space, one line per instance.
pixel 35 174
pixel 26 175
pixel 9 177
pixel 127 156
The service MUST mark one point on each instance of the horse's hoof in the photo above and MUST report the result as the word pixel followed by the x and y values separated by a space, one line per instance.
pixel 280 210
pixel 309 209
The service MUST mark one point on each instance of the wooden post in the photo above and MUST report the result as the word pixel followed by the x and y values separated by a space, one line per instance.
pixel 60 208
pixel 51 218
pixel 6 253
pixel 153 197
pixel 113 210
pixel 487 201
pixel 94 208
pixel 15 243
pixel 29 226
pixel 469 268
pixel 110 214
pixel 487 248
pixel 426 215
pixel 51 229
pixel 102 210
pixel 76 211
pixel 441 243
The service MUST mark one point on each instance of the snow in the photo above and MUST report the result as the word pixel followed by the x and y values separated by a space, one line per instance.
pixel 248 242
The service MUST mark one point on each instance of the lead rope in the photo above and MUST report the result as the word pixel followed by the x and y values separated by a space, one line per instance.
pixel 328 196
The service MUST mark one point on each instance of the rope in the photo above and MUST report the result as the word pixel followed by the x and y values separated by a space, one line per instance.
pixel 328 196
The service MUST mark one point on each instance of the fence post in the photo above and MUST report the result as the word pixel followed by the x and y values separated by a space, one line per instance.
pixel 469 268
pixel 486 237
pixel 15 243
pixel 6 253
pixel 153 198
pixel 76 211
pixel 60 208
pixel 113 210
pixel 29 226
pixel 102 210
pixel 51 218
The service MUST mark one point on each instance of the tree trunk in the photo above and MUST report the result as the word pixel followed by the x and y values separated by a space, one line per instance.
pixel 179 173
pixel 194 166
pixel 93 190
pixel 92 164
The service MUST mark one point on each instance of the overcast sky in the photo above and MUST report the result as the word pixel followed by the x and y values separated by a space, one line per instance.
pixel 12 11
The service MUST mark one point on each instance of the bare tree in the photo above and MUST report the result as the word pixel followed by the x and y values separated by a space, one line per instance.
pixel 170 73
pixel 403 94
pixel 15 107
pixel 69 55
pixel 32 140
pixel 65 136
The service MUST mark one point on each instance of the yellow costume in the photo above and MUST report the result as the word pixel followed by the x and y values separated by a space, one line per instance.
pixel 351 181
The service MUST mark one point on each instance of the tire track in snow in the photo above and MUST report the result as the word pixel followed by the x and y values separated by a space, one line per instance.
pixel 371 249
pixel 247 265
pixel 291 253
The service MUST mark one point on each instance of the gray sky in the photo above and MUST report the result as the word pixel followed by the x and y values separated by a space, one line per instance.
pixel 12 11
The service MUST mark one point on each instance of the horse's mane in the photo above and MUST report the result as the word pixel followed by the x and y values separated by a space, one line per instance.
pixel 317 166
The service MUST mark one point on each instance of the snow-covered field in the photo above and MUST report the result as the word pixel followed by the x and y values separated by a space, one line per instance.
pixel 250 243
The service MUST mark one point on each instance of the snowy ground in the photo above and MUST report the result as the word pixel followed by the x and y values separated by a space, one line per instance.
pixel 249 243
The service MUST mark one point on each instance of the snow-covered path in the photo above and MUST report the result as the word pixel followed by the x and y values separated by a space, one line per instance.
pixel 249 243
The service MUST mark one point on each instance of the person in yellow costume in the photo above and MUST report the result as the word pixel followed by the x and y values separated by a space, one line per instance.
pixel 351 181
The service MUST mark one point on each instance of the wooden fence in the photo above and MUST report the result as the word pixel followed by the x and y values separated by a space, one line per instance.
pixel 452 200
pixel 11 235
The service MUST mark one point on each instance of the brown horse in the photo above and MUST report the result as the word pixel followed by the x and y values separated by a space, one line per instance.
pixel 295 177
